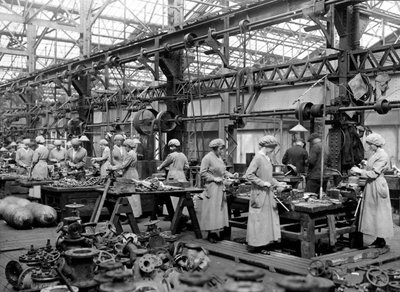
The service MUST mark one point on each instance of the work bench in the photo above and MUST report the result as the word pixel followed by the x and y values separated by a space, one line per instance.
pixel 3 180
pixel 121 206
pixel 307 223
pixel 58 197
pixel 312 222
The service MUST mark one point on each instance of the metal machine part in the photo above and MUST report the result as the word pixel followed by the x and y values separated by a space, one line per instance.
pixel 105 267
pixel 377 277
pixel 120 282
pixel 59 288
pixel 298 283
pixel 80 267
pixel 245 273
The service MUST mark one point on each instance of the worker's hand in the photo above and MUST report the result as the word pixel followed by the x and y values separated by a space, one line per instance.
pixel 235 175
pixel 93 160
pixel 158 168
pixel 355 170
pixel 218 179
pixel 267 184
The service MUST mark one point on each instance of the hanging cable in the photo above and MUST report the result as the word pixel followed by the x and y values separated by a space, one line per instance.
pixel 192 106
pixel 200 101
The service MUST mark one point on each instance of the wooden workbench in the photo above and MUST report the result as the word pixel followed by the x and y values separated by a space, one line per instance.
pixel 3 180
pixel 313 221
pixel 185 201
pixel 57 198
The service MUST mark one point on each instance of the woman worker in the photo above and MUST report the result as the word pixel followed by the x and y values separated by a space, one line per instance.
pixel 263 225
pixel 176 161
pixel 214 208
pixel 376 210
pixel 57 155
pixel 104 160
pixel 39 160
pixel 118 151
pixel 23 157
pixel 129 171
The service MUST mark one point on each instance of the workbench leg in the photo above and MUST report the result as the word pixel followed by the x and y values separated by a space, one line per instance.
pixel 177 215
pixel 2 189
pixel 193 217
pixel 96 207
pixel 308 242
pixel 122 206
pixel 170 207
pixel 156 199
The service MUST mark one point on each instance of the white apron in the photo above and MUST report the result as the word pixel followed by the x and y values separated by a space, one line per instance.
pixel 263 224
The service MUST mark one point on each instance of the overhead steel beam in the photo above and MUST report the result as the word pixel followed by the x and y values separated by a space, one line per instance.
pixel 38 22
pixel 260 15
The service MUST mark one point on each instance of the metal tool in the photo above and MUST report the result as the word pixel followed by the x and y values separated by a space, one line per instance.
pixel 280 202
pixel 358 205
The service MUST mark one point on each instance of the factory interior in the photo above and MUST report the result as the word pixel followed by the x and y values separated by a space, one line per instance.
pixel 199 145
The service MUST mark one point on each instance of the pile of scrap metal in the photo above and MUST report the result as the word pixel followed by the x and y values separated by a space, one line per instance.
pixel 71 182
pixel 152 184
pixel 362 278
pixel 92 257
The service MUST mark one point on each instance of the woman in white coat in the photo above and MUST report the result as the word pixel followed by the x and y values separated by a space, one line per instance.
pixel 39 160
pixel 263 225
pixel 129 171
pixel 376 210
pixel 104 160
pixel 214 208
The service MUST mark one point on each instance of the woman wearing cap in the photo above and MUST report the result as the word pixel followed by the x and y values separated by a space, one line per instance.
pixel 214 208
pixel 23 157
pixel 11 154
pixel 104 160
pixel 76 157
pixel 58 154
pixel 376 210
pixel 263 225
pixel 129 171
pixel 118 151
pixel 39 160
pixel 176 161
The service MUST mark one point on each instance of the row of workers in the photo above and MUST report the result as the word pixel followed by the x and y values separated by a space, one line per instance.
pixel 263 227
pixel 263 221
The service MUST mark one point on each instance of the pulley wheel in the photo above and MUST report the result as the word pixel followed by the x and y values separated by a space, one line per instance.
pixel 166 120
pixel 143 121
pixel 303 111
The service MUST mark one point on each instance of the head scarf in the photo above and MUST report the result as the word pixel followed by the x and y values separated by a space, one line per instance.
pixel 40 140
pixel 268 141
pixel 75 141
pixel 313 136
pixel 130 142
pixel 26 141
pixel 216 143
pixel 375 139
pixel 118 137
pixel 103 142
pixel 174 142
pixel 57 142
